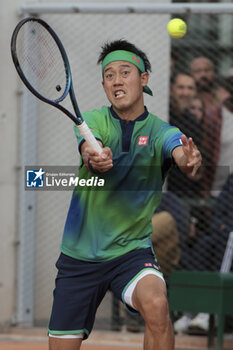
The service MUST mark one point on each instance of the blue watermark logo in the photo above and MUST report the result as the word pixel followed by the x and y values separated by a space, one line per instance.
pixel 35 178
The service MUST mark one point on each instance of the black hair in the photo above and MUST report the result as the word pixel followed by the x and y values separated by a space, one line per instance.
pixel 123 45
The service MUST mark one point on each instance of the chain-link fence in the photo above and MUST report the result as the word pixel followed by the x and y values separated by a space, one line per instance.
pixel 192 84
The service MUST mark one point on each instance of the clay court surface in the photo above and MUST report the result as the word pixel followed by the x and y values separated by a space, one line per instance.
pixel 36 339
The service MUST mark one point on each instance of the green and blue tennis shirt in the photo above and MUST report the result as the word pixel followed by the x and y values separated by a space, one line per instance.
pixel 106 222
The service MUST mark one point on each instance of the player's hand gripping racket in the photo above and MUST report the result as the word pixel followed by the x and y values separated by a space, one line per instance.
pixel 42 64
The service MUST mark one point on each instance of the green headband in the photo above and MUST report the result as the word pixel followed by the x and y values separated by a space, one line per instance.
pixel 122 55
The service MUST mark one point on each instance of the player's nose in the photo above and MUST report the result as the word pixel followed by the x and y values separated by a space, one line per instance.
pixel 118 79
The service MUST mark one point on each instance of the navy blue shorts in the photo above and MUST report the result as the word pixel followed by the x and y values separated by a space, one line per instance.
pixel 82 285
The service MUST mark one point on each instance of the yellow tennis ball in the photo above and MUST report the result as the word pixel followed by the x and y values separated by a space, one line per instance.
pixel 176 28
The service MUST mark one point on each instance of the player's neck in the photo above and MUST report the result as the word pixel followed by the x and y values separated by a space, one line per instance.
pixel 131 113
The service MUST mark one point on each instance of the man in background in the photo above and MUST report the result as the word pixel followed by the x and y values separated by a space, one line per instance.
pixel 213 94
pixel 182 92
pixel 203 71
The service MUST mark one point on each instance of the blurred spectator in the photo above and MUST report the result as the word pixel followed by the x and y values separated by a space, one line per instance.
pixel 225 161
pixel 170 227
pixel 173 205
pixel 208 252
pixel 221 224
pixel 204 73
pixel 193 254
pixel 197 108
pixel 213 94
pixel 183 90
pixel 199 213
pixel 165 241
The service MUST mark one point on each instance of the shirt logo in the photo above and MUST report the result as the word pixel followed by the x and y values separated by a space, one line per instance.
pixel 148 264
pixel 142 141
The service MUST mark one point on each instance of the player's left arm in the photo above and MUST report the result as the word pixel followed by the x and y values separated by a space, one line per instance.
pixel 187 157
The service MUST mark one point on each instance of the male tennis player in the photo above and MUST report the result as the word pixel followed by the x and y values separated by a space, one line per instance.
pixel 106 243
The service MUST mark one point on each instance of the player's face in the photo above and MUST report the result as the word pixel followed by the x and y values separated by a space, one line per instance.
pixel 183 90
pixel 123 85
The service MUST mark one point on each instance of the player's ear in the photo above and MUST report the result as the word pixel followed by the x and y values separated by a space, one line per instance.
pixel 103 85
pixel 144 78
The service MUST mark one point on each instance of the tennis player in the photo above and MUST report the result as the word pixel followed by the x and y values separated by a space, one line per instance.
pixel 106 243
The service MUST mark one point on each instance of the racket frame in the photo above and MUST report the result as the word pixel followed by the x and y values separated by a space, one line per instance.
pixel 78 120
pixel 69 86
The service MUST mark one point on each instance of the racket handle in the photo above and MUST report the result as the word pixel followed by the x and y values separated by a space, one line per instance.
pixel 89 137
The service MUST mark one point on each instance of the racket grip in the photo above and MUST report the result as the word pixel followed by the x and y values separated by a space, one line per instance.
pixel 89 137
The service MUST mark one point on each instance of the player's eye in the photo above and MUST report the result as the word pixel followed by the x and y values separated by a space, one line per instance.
pixel 125 72
pixel 109 76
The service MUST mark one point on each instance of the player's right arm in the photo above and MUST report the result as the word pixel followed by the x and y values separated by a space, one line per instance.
pixel 98 162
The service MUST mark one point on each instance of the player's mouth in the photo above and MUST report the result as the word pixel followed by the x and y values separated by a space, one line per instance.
pixel 119 94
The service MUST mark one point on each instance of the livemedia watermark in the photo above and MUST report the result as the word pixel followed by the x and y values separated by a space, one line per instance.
pixel 59 178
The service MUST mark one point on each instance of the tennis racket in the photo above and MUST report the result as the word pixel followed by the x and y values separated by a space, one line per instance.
pixel 42 64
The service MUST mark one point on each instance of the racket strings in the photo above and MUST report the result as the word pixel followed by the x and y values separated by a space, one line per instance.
pixel 41 61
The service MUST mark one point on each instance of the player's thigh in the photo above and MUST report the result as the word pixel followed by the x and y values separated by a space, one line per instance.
pixel 150 295
pixel 133 267
pixel 79 290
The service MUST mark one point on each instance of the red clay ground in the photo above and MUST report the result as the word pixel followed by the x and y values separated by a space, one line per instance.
pixel 36 339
